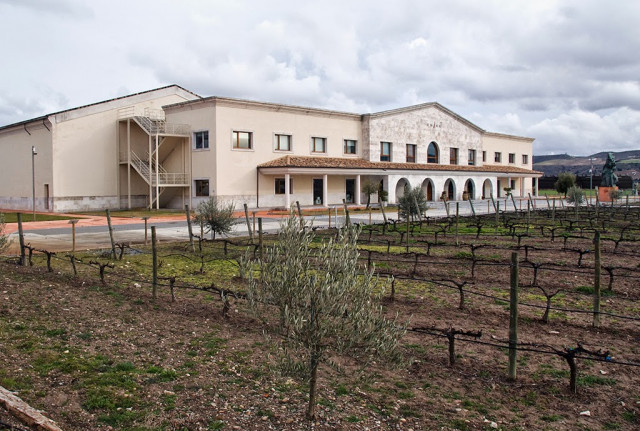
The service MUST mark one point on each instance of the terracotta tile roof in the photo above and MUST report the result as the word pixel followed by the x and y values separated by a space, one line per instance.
pixel 349 163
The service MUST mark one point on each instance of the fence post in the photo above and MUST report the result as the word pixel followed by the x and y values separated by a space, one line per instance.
pixel 533 203
pixel 188 214
pixel 23 259
pixel 146 222
pixel 513 316
pixel 596 280
pixel 113 244
pixel 155 262
pixel 260 237
pixel 246 216
pixel 73 234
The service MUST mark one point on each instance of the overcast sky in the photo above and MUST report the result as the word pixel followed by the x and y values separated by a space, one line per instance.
pixel 563 72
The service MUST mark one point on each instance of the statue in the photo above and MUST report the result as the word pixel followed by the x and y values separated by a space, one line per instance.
pixel 609 177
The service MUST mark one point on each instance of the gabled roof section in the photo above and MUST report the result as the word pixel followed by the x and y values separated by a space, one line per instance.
pixel 421 106
pixel 45 117
pixel 267 106
pixel 348 163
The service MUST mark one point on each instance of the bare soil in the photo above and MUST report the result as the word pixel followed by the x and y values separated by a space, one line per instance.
pixel 96 356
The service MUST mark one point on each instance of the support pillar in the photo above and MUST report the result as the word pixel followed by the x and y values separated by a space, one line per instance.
pixel 325 192
pixel 357 190
pixel 287 191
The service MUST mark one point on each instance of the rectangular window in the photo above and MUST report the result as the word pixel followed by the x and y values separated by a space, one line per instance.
pixel 319 145
pixel 484 156
pixel 472 157
pixel 202 187
pixel 512 158
pixel 280 186
pixel 242 140
pixel 350 146
pixel 525 159
pixel 201 140
pixel 282 142
pixel 453 156
pixel 411 153
pixel 385 151
pixel 497 157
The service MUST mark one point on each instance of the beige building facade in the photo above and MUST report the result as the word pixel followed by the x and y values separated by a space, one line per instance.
pixel 169 147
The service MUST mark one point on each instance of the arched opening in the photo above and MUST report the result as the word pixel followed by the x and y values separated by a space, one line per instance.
pixel 449 190
pixel 469 190
pixel 427 187
pixel 486 189
pixel 400 187
pixel 433 153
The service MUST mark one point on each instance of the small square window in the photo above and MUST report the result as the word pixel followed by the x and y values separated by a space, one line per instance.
pixel 201 140
pixel 385 151
pixel 202 187
pixel 350 146
pixel 525 159
pixel 411 153
pixel 282 142
pixel 497 157
pixel 512 158
pixel 472 157
pixel 279 186
pixel 242 140
pixel 453 156
pixel 319 145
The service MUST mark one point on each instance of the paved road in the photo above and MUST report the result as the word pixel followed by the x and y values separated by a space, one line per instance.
pixel 93 233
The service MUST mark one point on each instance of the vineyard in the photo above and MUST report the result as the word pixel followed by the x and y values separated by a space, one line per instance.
pixel 159 337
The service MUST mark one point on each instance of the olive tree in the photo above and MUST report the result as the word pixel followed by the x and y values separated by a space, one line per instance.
pixel 565 181
pixel 326 301
pixel 370 188
pixel 576 196
pixel 413 203
pixel 215 216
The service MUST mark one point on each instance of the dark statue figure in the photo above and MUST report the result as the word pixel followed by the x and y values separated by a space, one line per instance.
pixel 609 177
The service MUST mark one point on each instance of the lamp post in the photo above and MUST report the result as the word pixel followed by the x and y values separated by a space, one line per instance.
pixel 33 179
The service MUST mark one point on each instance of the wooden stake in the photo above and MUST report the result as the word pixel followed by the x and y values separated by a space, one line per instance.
pixel 73 234
pixel 457 222
pixel 23 260
pixel 155 262
pixel 513 317
pixel 596 280
pixel 188 214
pixel 260 243
pixel 146 222
pixel 246 216
pixel 113 244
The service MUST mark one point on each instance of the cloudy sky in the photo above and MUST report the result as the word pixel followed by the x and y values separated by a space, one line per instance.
pixel 564 72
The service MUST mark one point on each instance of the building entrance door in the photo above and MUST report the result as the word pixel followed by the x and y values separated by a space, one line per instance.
pixel 350 191
pixel 317 191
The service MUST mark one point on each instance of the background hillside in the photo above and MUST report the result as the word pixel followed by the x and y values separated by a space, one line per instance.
pixel 627 163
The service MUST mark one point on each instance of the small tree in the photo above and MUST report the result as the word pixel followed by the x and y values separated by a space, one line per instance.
pixel 615 194
pixel 565 181
pixel 412 203
pixel 369 188
pixel 325 299
pixel 4 241
pixel 576 196
pixel 216 217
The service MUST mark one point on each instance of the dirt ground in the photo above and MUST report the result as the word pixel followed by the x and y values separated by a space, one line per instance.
pixel 96 356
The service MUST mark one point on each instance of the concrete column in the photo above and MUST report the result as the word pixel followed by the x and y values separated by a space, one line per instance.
pixel 325 192
pixel 287 191
pixel 357 190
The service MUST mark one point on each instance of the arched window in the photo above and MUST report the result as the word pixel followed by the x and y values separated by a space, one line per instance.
pixel 433 154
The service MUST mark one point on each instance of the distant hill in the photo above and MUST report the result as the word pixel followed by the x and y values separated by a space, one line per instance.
pixel 627 163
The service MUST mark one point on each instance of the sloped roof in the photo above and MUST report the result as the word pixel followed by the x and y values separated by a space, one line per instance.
pixel 352 163
pixel 44 117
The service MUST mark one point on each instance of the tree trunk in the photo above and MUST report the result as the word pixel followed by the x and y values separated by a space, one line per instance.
pixel 311 410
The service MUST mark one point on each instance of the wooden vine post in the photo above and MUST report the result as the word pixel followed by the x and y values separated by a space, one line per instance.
pixel 146 229
pixel 23 261
pixel 300 213
pixel 260 243
pixel 384 215
pixel 407 231
pixel 347 219
pixel 596 280
pixel 497 216
pixel 154 252
pixel 113 244
pixel 457 223
pixel 246 216
pixel 73 234
pixel 188 214
pixel 513 317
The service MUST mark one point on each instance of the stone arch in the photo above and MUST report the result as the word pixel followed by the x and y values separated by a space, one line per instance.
pixel 450 189
pixel 400 187
pixel 470 189
pixel 433 153
pixel 429 189
pixel 487 189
